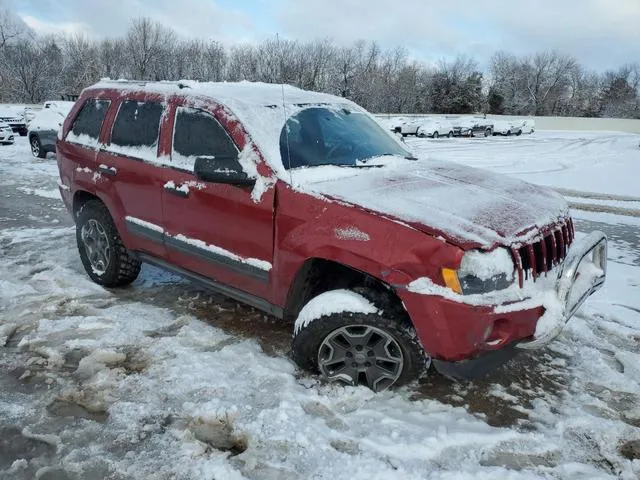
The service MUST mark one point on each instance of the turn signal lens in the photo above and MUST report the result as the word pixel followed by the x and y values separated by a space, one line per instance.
pixel 450 278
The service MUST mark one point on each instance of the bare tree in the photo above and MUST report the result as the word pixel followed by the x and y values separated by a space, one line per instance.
pixel 11 28
pixel 148 45
pixel 33 68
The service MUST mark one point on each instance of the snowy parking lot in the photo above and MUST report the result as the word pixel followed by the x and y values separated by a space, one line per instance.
pixel 163 380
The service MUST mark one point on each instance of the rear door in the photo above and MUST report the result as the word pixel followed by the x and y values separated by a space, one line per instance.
pixel 131 174
pixel 215 229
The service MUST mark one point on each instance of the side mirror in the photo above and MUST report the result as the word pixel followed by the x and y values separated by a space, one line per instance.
pixel 217 170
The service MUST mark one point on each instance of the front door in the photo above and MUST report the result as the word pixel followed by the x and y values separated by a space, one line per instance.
pixel 215 229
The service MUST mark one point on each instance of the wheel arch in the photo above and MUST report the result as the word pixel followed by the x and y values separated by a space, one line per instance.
pixel 318 275
pixel 82 195
pixel 80 198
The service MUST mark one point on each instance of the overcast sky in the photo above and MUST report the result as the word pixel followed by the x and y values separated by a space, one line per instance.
pixel 602 34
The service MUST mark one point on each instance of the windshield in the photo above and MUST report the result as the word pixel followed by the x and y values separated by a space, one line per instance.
pixel 334 136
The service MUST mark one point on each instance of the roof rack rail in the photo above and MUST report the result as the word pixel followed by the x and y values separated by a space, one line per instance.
pixel 141 82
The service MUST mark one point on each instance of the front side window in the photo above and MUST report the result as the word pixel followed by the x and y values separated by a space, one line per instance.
pixel 137 124
pixel 197 134
pixel 88 123
pixel 334 136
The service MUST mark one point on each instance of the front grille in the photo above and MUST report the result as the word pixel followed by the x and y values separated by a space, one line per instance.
pixel 544 253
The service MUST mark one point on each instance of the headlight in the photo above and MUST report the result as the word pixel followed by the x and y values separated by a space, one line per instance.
pixel 481 272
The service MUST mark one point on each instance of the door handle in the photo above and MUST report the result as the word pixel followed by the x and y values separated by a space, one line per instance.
pixel 111 171
pixel 178 191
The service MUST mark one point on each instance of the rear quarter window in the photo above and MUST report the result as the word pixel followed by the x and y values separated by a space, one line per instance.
pixel 88 123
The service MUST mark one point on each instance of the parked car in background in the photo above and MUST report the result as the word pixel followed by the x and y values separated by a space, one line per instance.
pixel 507 127
pixel 463 126
pixel 43 129
pixel 472 127
pixel 406 126
pixel 62 105
pixel 14 117
pixel 435 127
pixel 529 126
pixel 382 271
pixel 6 134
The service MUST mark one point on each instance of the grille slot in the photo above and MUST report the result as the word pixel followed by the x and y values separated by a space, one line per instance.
pixel 543 253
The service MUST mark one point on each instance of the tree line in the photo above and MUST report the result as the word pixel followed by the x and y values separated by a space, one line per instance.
pixel 36 68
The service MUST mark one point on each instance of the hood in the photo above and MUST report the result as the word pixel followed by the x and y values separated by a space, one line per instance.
pixel 468 206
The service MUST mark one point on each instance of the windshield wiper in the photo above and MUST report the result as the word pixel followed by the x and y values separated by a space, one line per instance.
pixel 406 157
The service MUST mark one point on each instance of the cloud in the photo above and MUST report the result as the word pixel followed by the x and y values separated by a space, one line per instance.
pixel 601 34
pixel 46 28
pixel 99 18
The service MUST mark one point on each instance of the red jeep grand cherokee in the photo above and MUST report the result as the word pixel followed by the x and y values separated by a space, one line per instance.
pixel 301 205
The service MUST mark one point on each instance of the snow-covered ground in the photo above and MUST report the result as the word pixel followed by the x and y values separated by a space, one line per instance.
pixel 163 380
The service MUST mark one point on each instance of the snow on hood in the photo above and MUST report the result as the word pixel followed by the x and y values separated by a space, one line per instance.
pixel 463 204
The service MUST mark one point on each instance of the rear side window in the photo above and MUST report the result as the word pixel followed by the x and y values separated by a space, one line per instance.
pixel 87 125
pixel 137 124
pixel 198 134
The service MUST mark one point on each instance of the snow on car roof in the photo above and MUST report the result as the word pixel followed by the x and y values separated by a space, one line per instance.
pixel 259 106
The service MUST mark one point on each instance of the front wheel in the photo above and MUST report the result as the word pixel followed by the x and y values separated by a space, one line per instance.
pixel 104 257
pixel 435 134
pixel 450 135
pixel 358 347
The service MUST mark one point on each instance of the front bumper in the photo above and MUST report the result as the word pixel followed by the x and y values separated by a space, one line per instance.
pixel 455 328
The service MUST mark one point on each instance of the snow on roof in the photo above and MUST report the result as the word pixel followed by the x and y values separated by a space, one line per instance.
pixel 259 106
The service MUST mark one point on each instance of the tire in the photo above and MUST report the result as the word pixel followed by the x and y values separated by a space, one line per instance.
pixel 488 133
pixel 112 265
pixel 36 147
pixel 309 345
pixel 435 134
pixel 508 133
pixel 405 134
pixel 450 135
pixel 518 133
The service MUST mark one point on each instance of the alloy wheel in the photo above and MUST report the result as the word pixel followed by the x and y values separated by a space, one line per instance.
pixel 96 244
pixel 35 147
pixel 361 355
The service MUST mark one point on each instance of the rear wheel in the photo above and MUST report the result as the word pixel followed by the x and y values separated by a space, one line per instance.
pixel 450 135
pixel 488 132
pixel 104 257
pixel 371 349
pixel 36 147
pixel 435 134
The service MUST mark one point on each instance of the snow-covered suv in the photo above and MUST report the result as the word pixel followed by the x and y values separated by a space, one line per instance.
pixel 301 205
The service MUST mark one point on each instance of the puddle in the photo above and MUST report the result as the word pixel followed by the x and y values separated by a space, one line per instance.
pixel 63 408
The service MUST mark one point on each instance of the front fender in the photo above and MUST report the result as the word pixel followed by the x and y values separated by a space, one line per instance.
pixel 391 251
